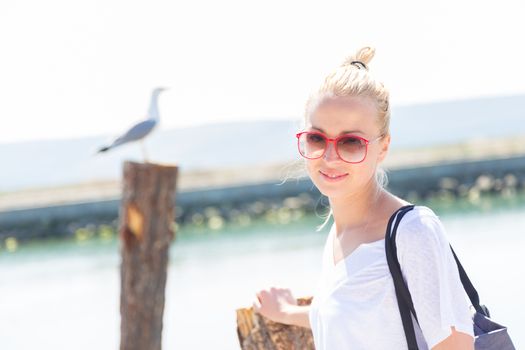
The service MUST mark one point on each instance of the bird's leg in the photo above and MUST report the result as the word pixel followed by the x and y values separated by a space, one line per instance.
pixel 145 155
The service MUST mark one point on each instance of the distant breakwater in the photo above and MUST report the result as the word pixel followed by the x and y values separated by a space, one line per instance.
pixel 272 201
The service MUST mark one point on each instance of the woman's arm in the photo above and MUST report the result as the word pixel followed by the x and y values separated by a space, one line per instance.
pixel 297 315
pixel 456 341
pixel 432 276
pixel 278 305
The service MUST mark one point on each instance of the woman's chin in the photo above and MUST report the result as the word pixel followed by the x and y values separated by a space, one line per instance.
pixel 330 189
pixel 331 193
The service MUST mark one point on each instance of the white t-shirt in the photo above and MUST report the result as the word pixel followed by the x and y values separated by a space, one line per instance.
pixel 355 307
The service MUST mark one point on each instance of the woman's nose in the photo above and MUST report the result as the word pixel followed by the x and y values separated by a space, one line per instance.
pixel 330 154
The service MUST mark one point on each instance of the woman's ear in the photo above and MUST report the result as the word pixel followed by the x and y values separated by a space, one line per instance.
pixel 385 144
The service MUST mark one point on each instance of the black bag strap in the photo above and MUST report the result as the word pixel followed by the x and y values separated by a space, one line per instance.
pixel 404 300
pixel 469 288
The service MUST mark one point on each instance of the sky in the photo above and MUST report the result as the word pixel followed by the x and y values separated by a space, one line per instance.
pixel 71 69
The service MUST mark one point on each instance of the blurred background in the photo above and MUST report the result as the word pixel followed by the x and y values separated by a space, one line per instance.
pixel 76 74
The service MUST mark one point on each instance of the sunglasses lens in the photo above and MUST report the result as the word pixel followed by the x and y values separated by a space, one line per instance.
pixel 311 145
pixel 351 149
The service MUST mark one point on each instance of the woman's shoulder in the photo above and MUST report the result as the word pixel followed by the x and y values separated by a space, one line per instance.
pixel 419 215
pixel 421 227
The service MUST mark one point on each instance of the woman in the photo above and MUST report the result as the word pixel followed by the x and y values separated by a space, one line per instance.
pixel 345 139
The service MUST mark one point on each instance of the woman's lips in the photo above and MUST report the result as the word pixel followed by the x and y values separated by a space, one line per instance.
pixel 333 177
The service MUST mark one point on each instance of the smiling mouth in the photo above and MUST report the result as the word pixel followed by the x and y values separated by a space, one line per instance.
pixel 333 176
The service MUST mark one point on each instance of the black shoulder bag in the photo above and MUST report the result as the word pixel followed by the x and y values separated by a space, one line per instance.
pixel 489 335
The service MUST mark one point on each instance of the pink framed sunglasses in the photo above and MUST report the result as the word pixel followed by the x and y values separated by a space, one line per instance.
pixel 349 148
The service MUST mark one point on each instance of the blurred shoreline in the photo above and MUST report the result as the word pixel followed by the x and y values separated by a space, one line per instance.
pixel 476 149
pixel 276 192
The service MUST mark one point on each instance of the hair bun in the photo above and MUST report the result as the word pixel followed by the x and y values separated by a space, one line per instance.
pixel 361 58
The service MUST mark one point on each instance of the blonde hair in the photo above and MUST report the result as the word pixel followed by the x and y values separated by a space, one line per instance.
pixel 353 79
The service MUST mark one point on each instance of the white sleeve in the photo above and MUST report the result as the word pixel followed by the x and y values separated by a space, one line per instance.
pixel 432 276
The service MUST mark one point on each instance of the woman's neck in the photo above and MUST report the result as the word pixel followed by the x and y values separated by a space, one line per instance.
pixel 355 211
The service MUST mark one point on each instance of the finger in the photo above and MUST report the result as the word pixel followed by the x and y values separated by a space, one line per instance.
pixel 256 305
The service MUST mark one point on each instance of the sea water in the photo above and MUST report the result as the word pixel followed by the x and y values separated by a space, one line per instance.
pixel 65 294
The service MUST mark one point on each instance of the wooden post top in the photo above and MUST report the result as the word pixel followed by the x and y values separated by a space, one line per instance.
pixel 133 164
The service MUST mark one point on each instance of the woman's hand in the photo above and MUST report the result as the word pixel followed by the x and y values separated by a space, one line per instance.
pixel 273 303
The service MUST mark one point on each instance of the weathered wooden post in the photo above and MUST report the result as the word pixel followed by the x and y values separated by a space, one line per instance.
pixel 256 332
pixel 145 229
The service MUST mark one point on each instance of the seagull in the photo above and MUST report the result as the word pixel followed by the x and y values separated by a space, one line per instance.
pixel 141 129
